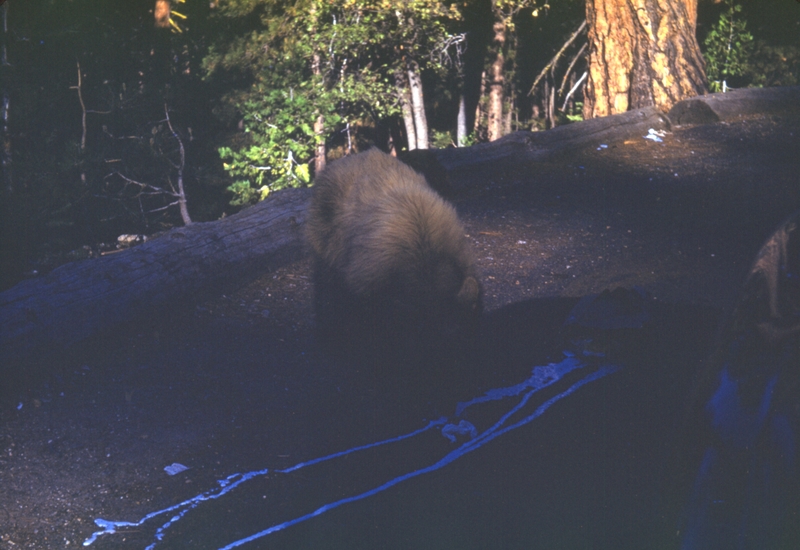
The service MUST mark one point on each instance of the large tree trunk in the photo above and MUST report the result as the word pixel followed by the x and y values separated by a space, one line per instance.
pixel 418 105
pixel 497 82
pixel 641 53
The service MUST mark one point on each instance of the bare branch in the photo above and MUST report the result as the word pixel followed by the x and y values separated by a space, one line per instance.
pixel 459 44
pixel 572 66
pixel 154 189
pixel 575 87
pixel 181 193
pixel 83 107
pixel 173 203
pixel 551 64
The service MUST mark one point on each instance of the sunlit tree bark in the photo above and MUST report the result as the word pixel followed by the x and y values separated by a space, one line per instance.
pixel 461 120
pixel 161 14
pixel 641 53
pixel 404 97
pixel 321 151
pixel 418 105
pixel 504 13
pixel 497 82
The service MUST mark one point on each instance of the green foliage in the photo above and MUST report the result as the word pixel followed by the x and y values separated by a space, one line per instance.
pixel 774 65
pixel 280 143
pixel 728 47
pixel 312 60
pixel 470 140
pixel 574 115
pixel 442 140
pixel 732 52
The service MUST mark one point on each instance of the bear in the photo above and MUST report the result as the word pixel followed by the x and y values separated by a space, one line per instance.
pixel 392 264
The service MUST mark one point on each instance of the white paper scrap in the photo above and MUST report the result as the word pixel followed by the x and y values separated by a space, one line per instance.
pixel 175 468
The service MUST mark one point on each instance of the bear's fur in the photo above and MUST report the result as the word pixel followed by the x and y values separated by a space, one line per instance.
pixel 389 252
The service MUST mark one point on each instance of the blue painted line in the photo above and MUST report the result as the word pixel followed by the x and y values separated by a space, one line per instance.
pixel 467 447
pixel 541 377
pixel 227 484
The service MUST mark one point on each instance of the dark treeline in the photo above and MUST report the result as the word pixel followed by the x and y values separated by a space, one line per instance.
pixel 111 109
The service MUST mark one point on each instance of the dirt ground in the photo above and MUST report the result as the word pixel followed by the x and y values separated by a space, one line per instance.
pixel 238 385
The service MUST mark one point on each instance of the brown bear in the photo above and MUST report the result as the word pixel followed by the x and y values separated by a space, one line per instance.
pixel 391 257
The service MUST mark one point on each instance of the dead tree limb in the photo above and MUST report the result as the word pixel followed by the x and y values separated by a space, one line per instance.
pixel 570 67
pixel 179 167
pixel 551 64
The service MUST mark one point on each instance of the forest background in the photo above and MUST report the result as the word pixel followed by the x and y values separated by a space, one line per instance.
pixel 131 117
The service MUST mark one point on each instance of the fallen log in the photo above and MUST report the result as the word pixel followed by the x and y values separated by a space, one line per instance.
pixel 539 145
pixel 735 104
pixel 441 164
pixel 80 299
pixel 77 300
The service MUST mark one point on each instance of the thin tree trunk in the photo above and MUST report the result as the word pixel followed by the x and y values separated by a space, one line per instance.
pixel 479 111
pixel 508 117
pixel 320 153
pixel 83 121
pixel 5 133
pixel 187 220
pixel 461 121
pixel 5 136
pixel 548 121
pixel 404 95
pixel 4 55
pixel 83 110
pixel 497 83
pixel 642 53
pixel 418 105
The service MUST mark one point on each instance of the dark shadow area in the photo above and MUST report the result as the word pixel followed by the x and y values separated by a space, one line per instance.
pixel 240 383
pixel 224 396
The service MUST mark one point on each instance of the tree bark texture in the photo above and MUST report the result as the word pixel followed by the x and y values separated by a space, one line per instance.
pixel 418 105
pixel 77 300
pixel 480 111
pixel 162 14
pixel 5 140
pixel 497 82
pixel 184 208
pixel 320 153
pixel 642 53
pixel 5 133
pixel 461 121
pixel 404 95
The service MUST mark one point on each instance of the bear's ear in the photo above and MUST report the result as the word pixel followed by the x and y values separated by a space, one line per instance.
pixel 470 292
